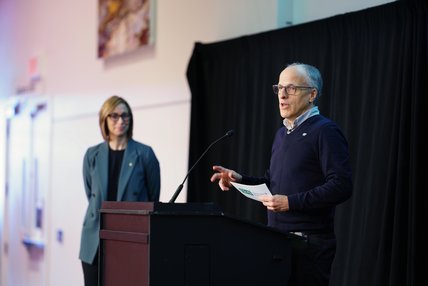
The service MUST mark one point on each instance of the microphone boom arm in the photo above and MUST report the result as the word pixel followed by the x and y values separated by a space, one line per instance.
pixel 180 187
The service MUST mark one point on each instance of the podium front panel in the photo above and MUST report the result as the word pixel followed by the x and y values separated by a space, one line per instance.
pixel 157 244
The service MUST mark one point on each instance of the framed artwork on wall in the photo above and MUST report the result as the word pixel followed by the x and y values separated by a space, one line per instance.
pixel 124 26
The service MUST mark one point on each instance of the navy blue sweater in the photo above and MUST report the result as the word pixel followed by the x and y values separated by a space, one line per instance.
pixel 311 166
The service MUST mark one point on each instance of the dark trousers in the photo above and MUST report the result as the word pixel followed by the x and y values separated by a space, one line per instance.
pixel 312 258
pixel 90 272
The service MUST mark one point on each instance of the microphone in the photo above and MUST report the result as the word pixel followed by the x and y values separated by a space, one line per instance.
pixel 180 187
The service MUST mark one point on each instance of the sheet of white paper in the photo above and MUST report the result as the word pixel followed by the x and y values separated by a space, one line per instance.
pixel 252 191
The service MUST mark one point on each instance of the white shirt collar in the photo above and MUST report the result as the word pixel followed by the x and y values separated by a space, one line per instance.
pixel 300 119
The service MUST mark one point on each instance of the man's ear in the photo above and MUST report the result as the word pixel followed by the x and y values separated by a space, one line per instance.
pixel 314 94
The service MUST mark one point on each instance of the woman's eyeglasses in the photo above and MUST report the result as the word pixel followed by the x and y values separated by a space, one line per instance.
pixel 115 116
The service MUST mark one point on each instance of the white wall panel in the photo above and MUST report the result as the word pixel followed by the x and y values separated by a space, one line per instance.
pixel 68 201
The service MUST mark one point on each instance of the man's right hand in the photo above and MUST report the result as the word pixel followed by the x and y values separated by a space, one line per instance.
pixel 224 177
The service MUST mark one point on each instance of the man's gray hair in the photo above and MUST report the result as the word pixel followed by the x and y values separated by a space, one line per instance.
pixel 312 75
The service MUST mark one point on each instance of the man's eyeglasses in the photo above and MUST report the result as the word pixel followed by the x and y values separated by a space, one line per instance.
pixel 115 116
pixel 289 89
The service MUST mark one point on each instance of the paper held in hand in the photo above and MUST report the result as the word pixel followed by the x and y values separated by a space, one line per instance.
pixel 252 191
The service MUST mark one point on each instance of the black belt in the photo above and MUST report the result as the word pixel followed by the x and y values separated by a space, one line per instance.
pixel 298 233
pixel 306 235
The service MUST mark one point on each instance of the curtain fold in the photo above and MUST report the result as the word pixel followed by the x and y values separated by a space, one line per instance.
pixel 375 68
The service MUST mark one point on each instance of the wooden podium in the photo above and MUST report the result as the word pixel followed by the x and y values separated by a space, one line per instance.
pixel 163 244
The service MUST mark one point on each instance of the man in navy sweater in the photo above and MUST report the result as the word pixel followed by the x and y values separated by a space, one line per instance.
pixel 309 175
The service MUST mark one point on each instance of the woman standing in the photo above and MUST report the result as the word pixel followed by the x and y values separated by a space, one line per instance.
pixel 118 169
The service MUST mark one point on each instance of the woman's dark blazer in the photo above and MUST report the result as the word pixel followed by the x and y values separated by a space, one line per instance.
pixel 139 180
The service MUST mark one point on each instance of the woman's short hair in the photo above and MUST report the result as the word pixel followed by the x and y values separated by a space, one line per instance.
pixel 107 108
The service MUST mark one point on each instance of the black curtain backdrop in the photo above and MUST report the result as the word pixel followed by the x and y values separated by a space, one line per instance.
pixel 374 63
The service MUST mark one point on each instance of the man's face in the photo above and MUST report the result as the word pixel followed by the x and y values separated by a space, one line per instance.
pixel 291 106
